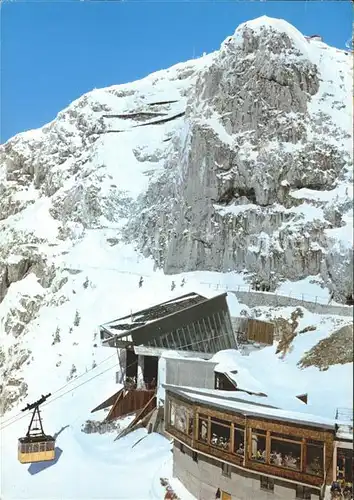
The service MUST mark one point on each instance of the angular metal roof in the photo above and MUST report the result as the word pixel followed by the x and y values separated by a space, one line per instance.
pixel 190 322
pixel 122 326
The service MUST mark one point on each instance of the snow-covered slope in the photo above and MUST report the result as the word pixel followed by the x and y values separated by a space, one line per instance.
pixel 232 168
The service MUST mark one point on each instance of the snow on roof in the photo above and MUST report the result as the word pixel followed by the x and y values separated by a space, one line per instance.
pixel 232 363
pixel 243 370
pixel 240 396
pixel 246 383
pixel 154 313
pixel 346 436
pixel 212 398
pixel 164 352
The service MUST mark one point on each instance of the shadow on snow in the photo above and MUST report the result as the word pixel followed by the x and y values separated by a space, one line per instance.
pixel 37 467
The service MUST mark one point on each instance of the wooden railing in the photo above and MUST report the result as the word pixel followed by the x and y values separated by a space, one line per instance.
pixel 245 462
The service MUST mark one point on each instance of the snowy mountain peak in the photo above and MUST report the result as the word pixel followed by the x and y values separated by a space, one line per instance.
pixel 273 35
pixel 270 23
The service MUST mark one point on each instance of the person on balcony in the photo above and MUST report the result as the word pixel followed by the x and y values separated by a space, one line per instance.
pixel 336 491
pixel 316 465
pixel 214 439
pixel 348 491
pixel 240 450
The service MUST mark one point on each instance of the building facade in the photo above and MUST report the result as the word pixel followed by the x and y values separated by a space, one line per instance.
pixel 191 323
pixel 224 452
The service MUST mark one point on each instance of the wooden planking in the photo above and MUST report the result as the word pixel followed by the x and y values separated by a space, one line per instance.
pixel 108 402
pixel 180 436
pixel 141 418
pixel 120 396
pixel 148 408
pixel 260 331
pixel 289 429
pixel 201 410
pixel 217 452
pixel 298 476
pixel 133 400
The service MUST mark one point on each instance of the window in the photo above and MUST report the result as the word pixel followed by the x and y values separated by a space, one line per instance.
pixel 223 383
pixel 258 448
pixel 181 418
pixel 33 448
pixel 226 469
pixel 303 492
pixel 203 429
pixel 50 445
pixel 239 440
pixel 285 451
pixel 345 465
pixel 267 483
pixel 195 456
pixel 314 458
pixel 220 434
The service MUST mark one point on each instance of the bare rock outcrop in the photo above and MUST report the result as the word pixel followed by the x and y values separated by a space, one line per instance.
pixel 252 139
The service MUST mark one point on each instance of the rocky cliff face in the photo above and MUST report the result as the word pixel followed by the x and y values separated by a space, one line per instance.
pixel 260 176
pixel 239 160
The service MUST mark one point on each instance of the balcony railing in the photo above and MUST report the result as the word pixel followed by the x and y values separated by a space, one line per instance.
pixel 131 383
pixel 245 462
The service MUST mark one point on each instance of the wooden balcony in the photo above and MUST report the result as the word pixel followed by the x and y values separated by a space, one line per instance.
pixel 221 435
pixel 247 464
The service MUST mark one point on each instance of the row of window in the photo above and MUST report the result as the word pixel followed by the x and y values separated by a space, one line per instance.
pixel 36 447
pixel 266 483
pixel 193 336
pixel 280 450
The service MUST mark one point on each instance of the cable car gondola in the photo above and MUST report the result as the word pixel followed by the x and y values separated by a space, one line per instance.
pixel 36 446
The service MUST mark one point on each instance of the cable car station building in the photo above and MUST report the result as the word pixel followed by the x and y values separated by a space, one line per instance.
pixel 190 323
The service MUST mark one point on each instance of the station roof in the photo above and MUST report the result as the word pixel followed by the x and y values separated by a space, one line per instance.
pixel 143 327
pixel 223 400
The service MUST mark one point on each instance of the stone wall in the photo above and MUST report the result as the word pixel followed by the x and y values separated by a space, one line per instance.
pixel 203 477
pixel 258 299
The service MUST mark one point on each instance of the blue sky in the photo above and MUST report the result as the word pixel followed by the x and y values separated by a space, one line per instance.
pixel 53 52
